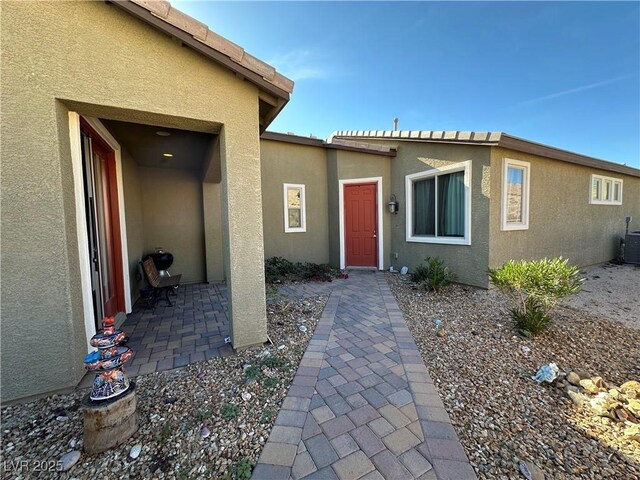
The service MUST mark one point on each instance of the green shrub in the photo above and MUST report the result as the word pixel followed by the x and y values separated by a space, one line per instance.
pixel 274 362
pixel 278 269
pixel 267 416
pixel 432 276
pixel 241 470
pixel 533 320
pixel 270 382
pixel 229 411
pixel 535 287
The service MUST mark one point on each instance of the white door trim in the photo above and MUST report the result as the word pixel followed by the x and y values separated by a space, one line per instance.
pixel 81 227
pixel 380 219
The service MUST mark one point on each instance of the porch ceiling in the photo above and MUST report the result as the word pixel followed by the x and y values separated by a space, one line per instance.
pixel 189 149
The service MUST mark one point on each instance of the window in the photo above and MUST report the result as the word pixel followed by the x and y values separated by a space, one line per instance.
pixel 295 218
pixel 515 194
pixel 605 190
pixel 439 205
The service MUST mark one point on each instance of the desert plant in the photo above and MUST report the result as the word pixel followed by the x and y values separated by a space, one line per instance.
pixel 433 275
pixel 241 470
pixel 533 320
pixel 535 287
pixel 278 269
pixel 229 411
pixel 267 416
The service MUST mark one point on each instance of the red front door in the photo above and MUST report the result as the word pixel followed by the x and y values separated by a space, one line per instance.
pixel 360 220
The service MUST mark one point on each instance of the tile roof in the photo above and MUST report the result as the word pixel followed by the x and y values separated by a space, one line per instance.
pixel 201 33
pixel 449 136
pixel 498 139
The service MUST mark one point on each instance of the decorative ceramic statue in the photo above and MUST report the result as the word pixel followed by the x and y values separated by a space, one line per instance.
pixel 107 361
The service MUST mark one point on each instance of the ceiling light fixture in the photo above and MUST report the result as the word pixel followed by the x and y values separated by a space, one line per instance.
pixel 162 133
pixel 168 155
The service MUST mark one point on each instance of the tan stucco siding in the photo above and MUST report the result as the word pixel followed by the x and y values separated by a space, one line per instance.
pixel 104 63
pixel 134 220
pixel 468 262
pixel 173 219
pixel 561 219
pixel 298 164
pixel 243 237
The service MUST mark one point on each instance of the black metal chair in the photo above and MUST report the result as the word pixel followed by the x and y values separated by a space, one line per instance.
pixel 158 283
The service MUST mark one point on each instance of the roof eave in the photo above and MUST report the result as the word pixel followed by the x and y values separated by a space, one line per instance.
pixel 527 146
pixel 316 142
pixel 212 54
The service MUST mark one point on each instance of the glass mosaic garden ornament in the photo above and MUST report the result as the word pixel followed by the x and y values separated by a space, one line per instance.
pixel 107 362
pixel 547 373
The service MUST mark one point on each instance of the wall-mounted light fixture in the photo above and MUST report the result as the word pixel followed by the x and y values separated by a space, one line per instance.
pixel 393 205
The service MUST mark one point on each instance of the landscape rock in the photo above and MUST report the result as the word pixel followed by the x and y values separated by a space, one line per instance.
pixel 531 471
pixel 577 398
pixel 68 460
pixel 135 451
pixel 589 386
pixel 573 378
pixel 632 432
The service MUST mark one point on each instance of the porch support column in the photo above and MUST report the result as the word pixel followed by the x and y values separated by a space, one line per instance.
pixel 242 235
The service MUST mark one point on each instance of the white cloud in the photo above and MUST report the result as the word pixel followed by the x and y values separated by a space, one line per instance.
pixel 299 65
pixel 574 90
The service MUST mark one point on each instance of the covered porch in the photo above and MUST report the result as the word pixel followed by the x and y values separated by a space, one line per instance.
pixel 166 337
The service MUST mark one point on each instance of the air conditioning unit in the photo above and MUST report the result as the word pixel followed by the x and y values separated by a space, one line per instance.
pixel 632 248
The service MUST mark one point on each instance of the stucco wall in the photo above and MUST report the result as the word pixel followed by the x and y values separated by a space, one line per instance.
pixel 172 218
pixel 102 62
pixel 561 219
pixel 468 262
pixel 290 163
pixel 133 216
pixel 349 165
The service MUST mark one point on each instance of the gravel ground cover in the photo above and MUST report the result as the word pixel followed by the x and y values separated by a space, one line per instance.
pixel 611 290
pixel 483 370
pixel 207 420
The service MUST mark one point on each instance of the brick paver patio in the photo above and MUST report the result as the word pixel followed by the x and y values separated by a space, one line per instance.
pixel 192 330
pixel 362 404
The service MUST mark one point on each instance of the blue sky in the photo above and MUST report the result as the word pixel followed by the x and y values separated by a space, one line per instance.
pixel 565 74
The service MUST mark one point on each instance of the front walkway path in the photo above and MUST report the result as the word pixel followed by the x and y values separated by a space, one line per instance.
pixel 362 404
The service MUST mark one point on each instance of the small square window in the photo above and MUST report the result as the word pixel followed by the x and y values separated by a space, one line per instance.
pixel 294 208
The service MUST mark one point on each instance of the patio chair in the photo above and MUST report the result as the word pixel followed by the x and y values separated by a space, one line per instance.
pixel 158 283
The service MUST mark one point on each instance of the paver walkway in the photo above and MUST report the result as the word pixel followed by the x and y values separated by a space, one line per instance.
pixel 167 337
pixel 362 403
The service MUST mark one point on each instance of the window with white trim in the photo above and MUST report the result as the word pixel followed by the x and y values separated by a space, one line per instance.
pixel 295 218
pixel 515 194
pixel 439 205
pixel 605 190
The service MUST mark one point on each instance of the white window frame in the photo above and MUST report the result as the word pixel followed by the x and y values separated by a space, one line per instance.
pixel 526 166
pixel 436 172
pixel 303 208
pixel 603 180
